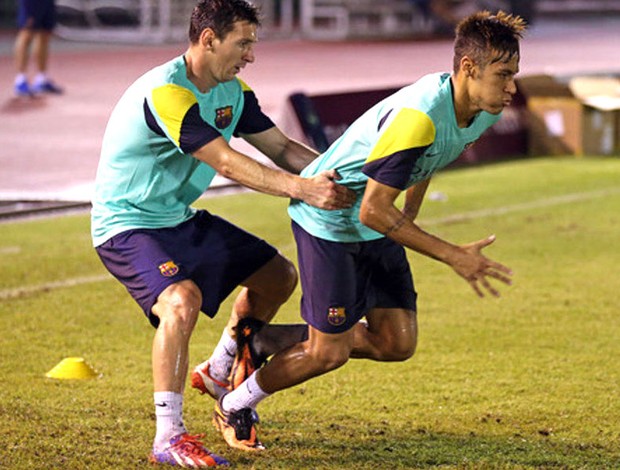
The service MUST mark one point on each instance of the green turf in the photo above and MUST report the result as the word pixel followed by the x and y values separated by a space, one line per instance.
pixel 527 381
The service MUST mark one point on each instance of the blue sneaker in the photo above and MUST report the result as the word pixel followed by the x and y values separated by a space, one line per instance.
pixel 22 89
pixel 185 450
pixel 47 87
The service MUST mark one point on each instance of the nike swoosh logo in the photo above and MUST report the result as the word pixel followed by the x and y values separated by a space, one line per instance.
pixel 163 405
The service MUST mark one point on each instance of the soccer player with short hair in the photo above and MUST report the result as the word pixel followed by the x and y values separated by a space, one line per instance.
pixel 165 140
pixel 352 262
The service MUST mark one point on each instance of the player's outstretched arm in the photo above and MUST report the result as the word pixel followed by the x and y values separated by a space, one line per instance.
pixel 321 191
pixel 379 212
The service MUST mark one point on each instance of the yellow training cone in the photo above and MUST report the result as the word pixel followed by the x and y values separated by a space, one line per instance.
pixel 73 368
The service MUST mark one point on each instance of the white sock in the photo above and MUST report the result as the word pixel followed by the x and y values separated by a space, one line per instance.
pixel 20 78
pixel 223 356
pixel 169 415
pixel 248 395
pixel 41 77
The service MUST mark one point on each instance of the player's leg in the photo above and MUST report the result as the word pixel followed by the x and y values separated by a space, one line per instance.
pixel 379 279
pixel 143 261
pixel 387 335
pixel 390 331
pixel 260 298
pixel 177 308
pixel 42 82
pixel 235 415
pixel 41 50
pixel 29 24
pixel 262 295
pixel 319 354
pixel 329 304
pixel 334 285
pixel 25 34
pixel 265 291
pixel 267 279
pixel 47 22
pixel 272 338
pixel 22 54
pixel 253 318
pixel 22 49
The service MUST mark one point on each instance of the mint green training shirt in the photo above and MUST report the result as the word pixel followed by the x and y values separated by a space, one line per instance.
pixel 147 176
pixel 399 142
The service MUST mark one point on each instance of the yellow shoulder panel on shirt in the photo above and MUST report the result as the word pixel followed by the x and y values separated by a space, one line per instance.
pixel 244 86
pixel 409 129
pixel 171 104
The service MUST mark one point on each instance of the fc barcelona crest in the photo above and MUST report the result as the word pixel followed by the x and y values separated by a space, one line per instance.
pixel 223 117
pixel 168 269
pixel 336 316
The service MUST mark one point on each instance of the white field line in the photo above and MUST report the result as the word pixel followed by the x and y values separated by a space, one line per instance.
pixel 537 204
pixel 7 294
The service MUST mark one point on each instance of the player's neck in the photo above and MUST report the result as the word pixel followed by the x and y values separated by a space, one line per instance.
pixel 198 73
pixel 464 110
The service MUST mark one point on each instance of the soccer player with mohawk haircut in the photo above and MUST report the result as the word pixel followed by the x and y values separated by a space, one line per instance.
pixel 359 299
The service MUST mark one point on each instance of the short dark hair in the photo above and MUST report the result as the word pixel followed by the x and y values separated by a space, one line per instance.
pixel 220 16
pixel 488 38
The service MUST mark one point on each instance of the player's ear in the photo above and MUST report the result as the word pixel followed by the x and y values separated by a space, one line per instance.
pixel 467 67
pixel 207 37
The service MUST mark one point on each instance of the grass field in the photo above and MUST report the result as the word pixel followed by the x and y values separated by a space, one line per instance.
pixel 527 381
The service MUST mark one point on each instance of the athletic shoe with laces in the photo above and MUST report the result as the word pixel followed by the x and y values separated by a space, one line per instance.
pixel 247 359
pixel 202 380
pixel 22 89
pixel 47 86
pixel 238 427
pixel 187 450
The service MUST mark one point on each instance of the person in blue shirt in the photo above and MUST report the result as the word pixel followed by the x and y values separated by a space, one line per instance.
pixel 359 299
pixel 165 140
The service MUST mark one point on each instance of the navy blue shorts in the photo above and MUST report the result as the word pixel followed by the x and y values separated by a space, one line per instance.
pixel 36 14
pixel 217 255
pixel 341 282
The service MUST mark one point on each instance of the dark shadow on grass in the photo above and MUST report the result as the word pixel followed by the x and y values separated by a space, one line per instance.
pixel 358 447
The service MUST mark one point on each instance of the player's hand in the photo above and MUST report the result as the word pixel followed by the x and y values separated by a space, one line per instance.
pixel 323 192
pixel 476 269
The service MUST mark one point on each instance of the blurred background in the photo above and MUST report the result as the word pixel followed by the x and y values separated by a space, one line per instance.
pixel 166 20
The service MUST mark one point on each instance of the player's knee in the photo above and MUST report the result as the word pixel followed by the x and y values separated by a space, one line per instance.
pixel 403 351
pixel 178 306
pixel 400 349
pixel 271 286
pixel 286 282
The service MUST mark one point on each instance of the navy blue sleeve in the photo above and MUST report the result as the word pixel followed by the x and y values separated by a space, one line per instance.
pixel 394 170
pixel 252 119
